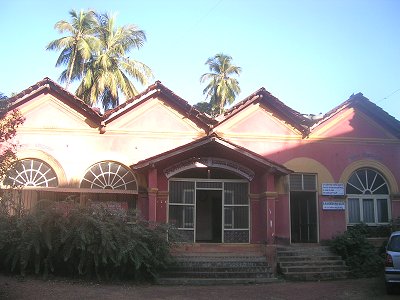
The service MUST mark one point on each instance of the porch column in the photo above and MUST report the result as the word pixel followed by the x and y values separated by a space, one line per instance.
pixel 152 191
pixel 143 204
pixel 270 196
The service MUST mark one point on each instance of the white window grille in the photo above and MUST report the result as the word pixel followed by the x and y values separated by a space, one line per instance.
pixel 367 198
pixel 303 182
pixel 31 173
pixel 109 175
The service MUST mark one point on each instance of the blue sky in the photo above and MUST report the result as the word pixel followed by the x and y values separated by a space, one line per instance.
pixel 312 55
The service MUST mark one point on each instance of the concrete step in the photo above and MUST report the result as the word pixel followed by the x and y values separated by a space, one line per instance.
pixel 316 276
pixel 211 264
pixel 260 269
pixel 290 258
pixel 214 257
pixel 206 274
pixel 294 248
pixel 213 281
pixel 304 253
pixel 310 263
pixel 299 269
pixel 205 248
pixel 217 268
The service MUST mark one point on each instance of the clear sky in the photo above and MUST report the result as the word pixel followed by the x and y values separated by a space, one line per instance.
pixel 312 55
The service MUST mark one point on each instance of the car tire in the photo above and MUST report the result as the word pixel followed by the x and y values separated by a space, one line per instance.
pixel 389 289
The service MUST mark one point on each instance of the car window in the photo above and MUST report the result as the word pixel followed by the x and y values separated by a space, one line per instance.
pixel 394 244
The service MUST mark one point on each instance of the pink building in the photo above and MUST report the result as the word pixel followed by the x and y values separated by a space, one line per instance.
pixel 260 173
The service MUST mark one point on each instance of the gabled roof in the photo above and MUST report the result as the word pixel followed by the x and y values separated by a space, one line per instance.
pixel 155 90
pixel 359 102
pixel 48 86
pixel 159 90
pixel 276 106
pixel 212 139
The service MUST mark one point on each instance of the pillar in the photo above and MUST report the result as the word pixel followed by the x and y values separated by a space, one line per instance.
pixel 152 192
pixel 270 196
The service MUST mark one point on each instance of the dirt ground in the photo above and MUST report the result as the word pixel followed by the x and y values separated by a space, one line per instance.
pixel 31 288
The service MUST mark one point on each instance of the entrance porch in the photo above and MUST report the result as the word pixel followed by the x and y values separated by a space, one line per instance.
pixel 213 191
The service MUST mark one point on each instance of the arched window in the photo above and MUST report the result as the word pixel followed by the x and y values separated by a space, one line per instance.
pixel 109 175
pixel 367 197
pixel 31 172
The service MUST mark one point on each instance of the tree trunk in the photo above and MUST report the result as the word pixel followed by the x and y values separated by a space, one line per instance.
pixel 69 72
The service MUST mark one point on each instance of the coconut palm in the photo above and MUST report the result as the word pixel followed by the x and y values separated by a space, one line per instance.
pixel 222 89
pixel 76 47
pixel 107 72
pixel 205 107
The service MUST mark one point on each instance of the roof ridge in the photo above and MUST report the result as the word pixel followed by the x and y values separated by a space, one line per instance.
pixel 367 105
pixel 295 118
pixel 130 100
pixel 46 81
pixel 158 87
pixel 201 141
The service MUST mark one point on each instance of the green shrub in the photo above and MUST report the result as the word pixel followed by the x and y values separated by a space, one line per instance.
pixel 36 242
pixel 359 254
pixel 89 242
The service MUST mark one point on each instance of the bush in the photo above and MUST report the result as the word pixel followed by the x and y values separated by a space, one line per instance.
pixel 89 242
pixel 360 255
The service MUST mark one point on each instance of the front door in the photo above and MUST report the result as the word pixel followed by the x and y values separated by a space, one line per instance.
pixel 303 216
pixel 211 211
pixel 209 216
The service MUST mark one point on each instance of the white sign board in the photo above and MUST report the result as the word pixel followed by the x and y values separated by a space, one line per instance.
pixel 333 205
pixel 333 189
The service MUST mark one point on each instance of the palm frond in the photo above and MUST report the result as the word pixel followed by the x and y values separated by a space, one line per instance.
pixel 95 51
pixel 222 88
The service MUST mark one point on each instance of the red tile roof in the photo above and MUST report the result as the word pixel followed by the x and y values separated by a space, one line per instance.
pixel 48 85
pixel 213 138
pixel 276 106
pixel 360 102
pixel 159 90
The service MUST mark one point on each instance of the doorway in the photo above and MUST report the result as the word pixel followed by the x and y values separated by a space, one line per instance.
pixel 303 216
pixel 209 216
pixel 210 210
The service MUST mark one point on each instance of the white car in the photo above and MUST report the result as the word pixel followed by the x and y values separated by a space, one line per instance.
pixel 392 262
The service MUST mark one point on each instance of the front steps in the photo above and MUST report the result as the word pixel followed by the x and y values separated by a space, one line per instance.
pixel 310 263
pixel 218 264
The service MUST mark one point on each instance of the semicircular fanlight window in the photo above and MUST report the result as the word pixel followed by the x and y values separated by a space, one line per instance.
pixel 367 182
pixel 109 175
pixel 31 172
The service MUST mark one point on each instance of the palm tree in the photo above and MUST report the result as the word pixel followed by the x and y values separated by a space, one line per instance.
pixel 205 107
pixel 76 47
pixel 107 72
pixel 222 88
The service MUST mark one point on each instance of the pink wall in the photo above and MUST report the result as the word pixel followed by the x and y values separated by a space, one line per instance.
pixel 346 139
pixel 282 229
pixel 331 222
pixel 156 126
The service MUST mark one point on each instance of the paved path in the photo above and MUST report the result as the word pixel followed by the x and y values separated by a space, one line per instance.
pixel 372 288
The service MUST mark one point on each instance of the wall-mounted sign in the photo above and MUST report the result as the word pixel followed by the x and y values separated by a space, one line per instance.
pixel 333 205
pixel 333 189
